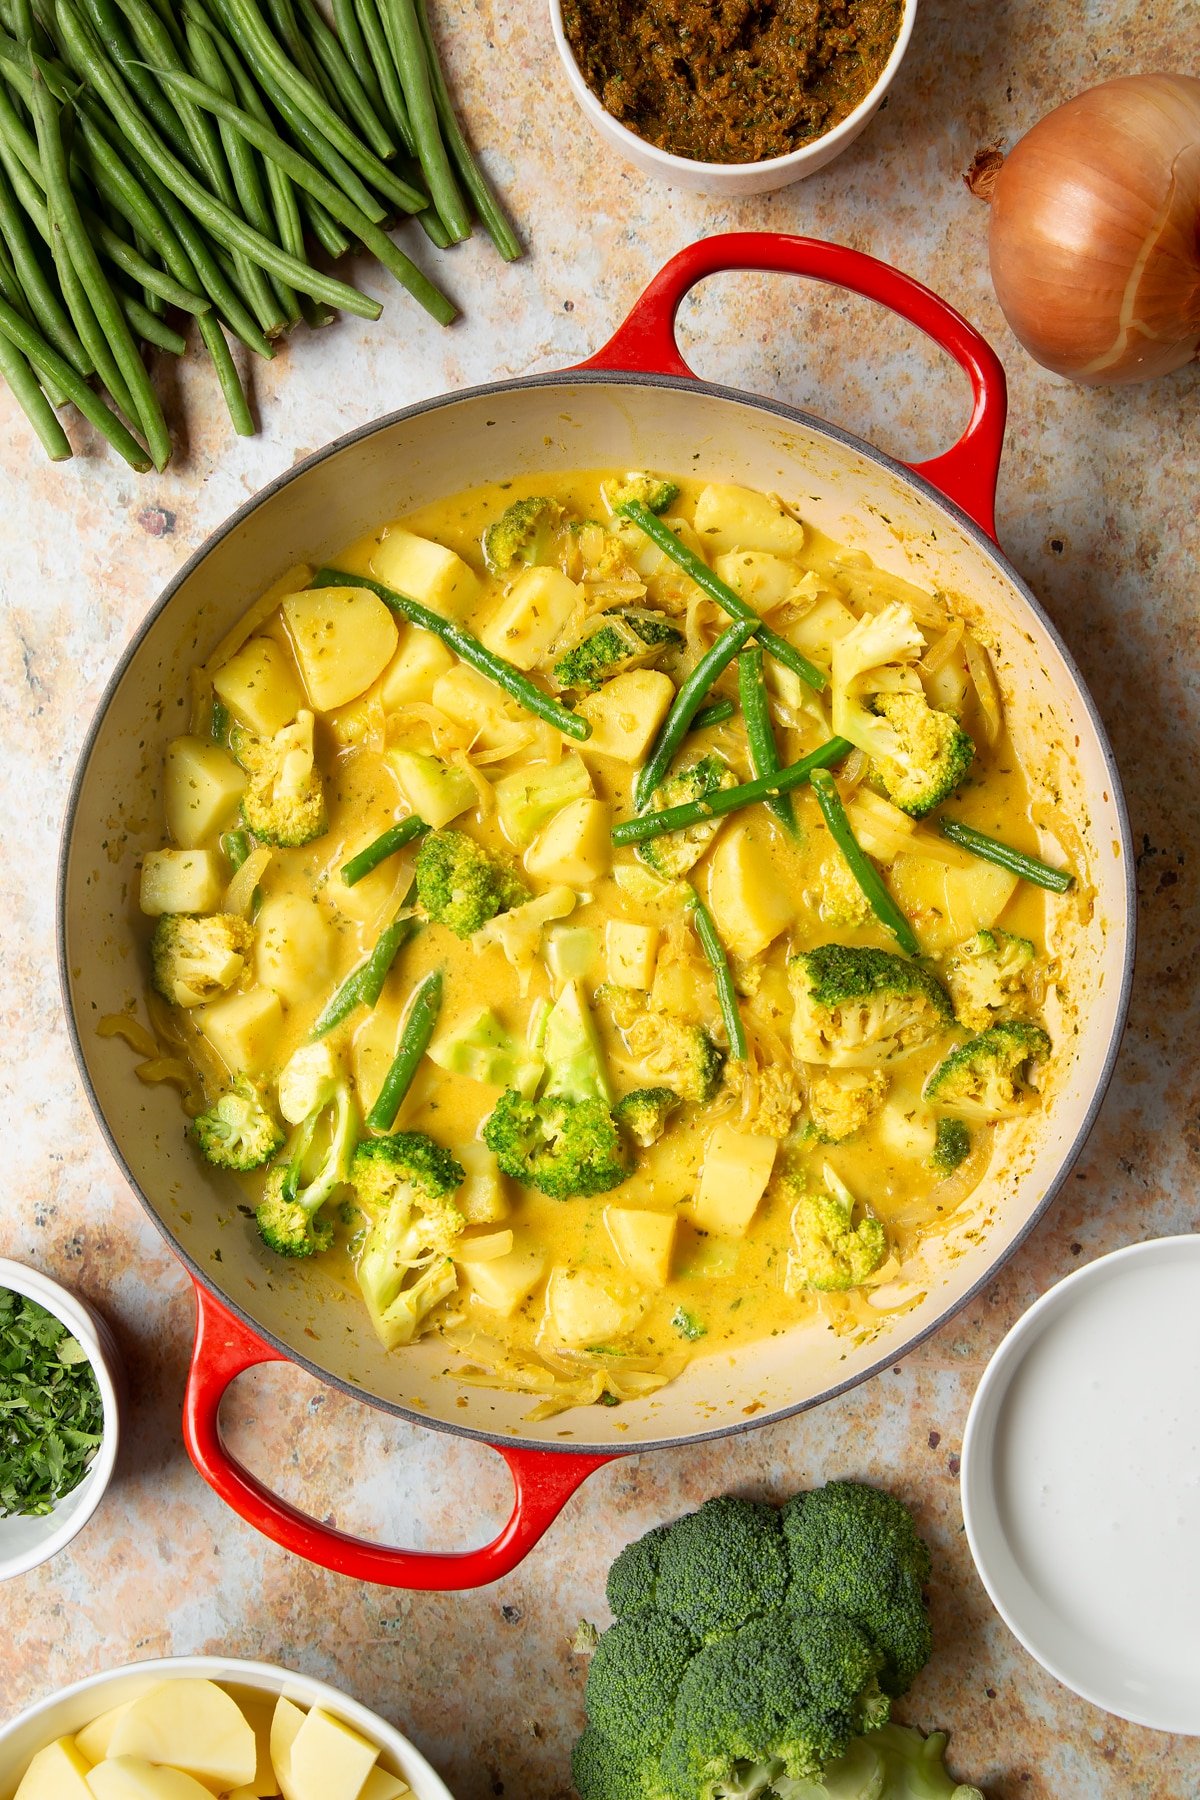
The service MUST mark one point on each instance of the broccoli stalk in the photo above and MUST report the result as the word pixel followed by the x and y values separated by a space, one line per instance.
pixel 460 885
pixel 288 1215
pixel 405 1186
pixel 566 1140
pixel 237 1130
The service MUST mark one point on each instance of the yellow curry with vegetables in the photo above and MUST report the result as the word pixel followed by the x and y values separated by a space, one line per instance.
pixel 601 920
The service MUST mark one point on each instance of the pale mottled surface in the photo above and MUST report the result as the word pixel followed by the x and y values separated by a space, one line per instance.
pixel 1098 509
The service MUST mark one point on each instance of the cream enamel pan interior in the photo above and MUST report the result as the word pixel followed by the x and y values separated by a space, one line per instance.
pixel 852 492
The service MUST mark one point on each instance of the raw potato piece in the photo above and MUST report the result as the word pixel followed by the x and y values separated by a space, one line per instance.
pixel 285 1728
pixel 136 1778
pixel 244 1030
pixel 344 638
pixel 181 881
pixel 56 1773
pixel 644 1242
pixel 583 1310
pixel 531 616
pixel 626 712
pixel 201 788
pixel 259 1714
pixel 382 1785
pixel 93 1740
pixel 427 572
pixel 259 687
pixel 192 1725
pixel 329 1761
pixel 737 518
pixel 293 948
pixel 574 848
pixel 749 903
pixel 502 1285
pixel 737 1168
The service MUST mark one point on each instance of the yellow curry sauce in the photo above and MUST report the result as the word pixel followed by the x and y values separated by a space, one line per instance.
pixel 737 82
pixel 311 931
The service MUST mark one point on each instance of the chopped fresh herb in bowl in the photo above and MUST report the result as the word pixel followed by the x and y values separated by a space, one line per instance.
pixel 51 1410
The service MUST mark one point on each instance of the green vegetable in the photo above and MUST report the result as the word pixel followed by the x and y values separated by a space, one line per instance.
pixel 461 885
pixel 716 714
pixel 405 1186
pixel 289 1214
pixel 526 533
pixel 988 977
pixel 492 216
pixel 715 805
pixel 714 950
pixel 681 1055
pixel 752 1646
pixel 686 704
pixel 284 799
pixel 480 1048
pixel 237 1131
pixel 952 1146
pixel 859 863
pixel 363 986
pixel 988 1078
pixel 724 595
pixel 644 1113
pixel 989 849
pixel 834 1251
pixel 760 733
pixel 856 1007
pixel 195 958
pixel 51 1411
pixel 674 853
pixel 511 680
pixel 688 1325
pixel 656 492
pixel 626 638
pixel 408 52
pixel 418 1027
pixel 387 844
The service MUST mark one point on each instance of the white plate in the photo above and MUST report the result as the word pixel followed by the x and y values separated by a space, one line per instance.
pixel 1081 1482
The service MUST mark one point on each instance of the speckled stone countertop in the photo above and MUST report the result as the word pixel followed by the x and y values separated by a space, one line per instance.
pixel 1097 508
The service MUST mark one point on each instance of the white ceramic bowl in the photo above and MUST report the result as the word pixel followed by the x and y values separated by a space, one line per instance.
pixel 26 1542
pixel 1081 1482
pixel 730 180
pixel 74 1707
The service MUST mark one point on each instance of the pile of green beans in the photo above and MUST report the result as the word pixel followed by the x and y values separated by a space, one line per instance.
pixel 170 161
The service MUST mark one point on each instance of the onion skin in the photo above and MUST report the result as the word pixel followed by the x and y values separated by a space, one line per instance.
pixel 1095 232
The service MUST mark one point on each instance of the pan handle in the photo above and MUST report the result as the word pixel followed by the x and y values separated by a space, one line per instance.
pixel 967 473
pixel 544 1480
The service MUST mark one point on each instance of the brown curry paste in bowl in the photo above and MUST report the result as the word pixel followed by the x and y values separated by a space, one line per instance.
pixel 731 81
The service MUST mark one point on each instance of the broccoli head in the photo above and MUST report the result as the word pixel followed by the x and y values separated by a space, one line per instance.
pixel 289 1214
pixel 565 1140
pixel 857 1007
pixel 722 1566
pixel 952 1146
pixel 656 492
pixel 604 1768
pixel 633 1577
pixel 627 638
pixel 634 1678
pixel 644 1113
pixel 841 1104
pixel 284 799
pixel 527 532
pixel 682 1056
pixel 988 977
pixel 461 885
pixel 675 852
pixel 405 1186
pixel 237 1131
pixel 832 1252
pixel 988 1078
pixel 194 956
pixel 920 755
pixel 854 1553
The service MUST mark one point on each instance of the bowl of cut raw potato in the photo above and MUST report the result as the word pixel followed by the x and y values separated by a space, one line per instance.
pixel 195 1727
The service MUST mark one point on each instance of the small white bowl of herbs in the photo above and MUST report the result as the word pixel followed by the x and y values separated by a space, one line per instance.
pixel 59 1405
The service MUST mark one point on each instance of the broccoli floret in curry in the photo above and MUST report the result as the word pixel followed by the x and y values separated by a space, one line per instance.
pixel 289 1215
pixel 675 852
pixel 988 977
pixel 682 1057
pixel 196 956
pixel 838 1244
pixel 238 1130
pixel 951 1147
pixel 645 1112
pixel 284 800
pixel 919 755
pixel 461 885
pixel 526 533
pixel 405 1185
pixel 655 492
pixel 842 1103
pixel 989 1078
pixel 627 638
pixel 856 1007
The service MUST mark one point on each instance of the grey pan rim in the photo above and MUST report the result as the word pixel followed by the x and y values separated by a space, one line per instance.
pixel 550 382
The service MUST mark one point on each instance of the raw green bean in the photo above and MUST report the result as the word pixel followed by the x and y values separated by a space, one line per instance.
pixel 316 316
pixel 261 48
pixel 49 363
pixel 495 220
pixel 717 590
pixel 314 182
pixel 514 682
pixel 760 733
pixel 716 714
pixel 412 64
pixel 714 949
pixel 83 316
pixel 47 307
pixel 64 216
pixel 860 865
pixel 1017 862
pixel 686 705
pixel 144 324
pixel 89 61
pixel 16 371
pixel 385 67
pixel 353 43
pixel 230 381
pixel 133 263
pixel 384 846
pixel 726 800
pixel 356 102
pixel 419 1022
pixel 363 986
pixel 333 240
pixel 280 17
